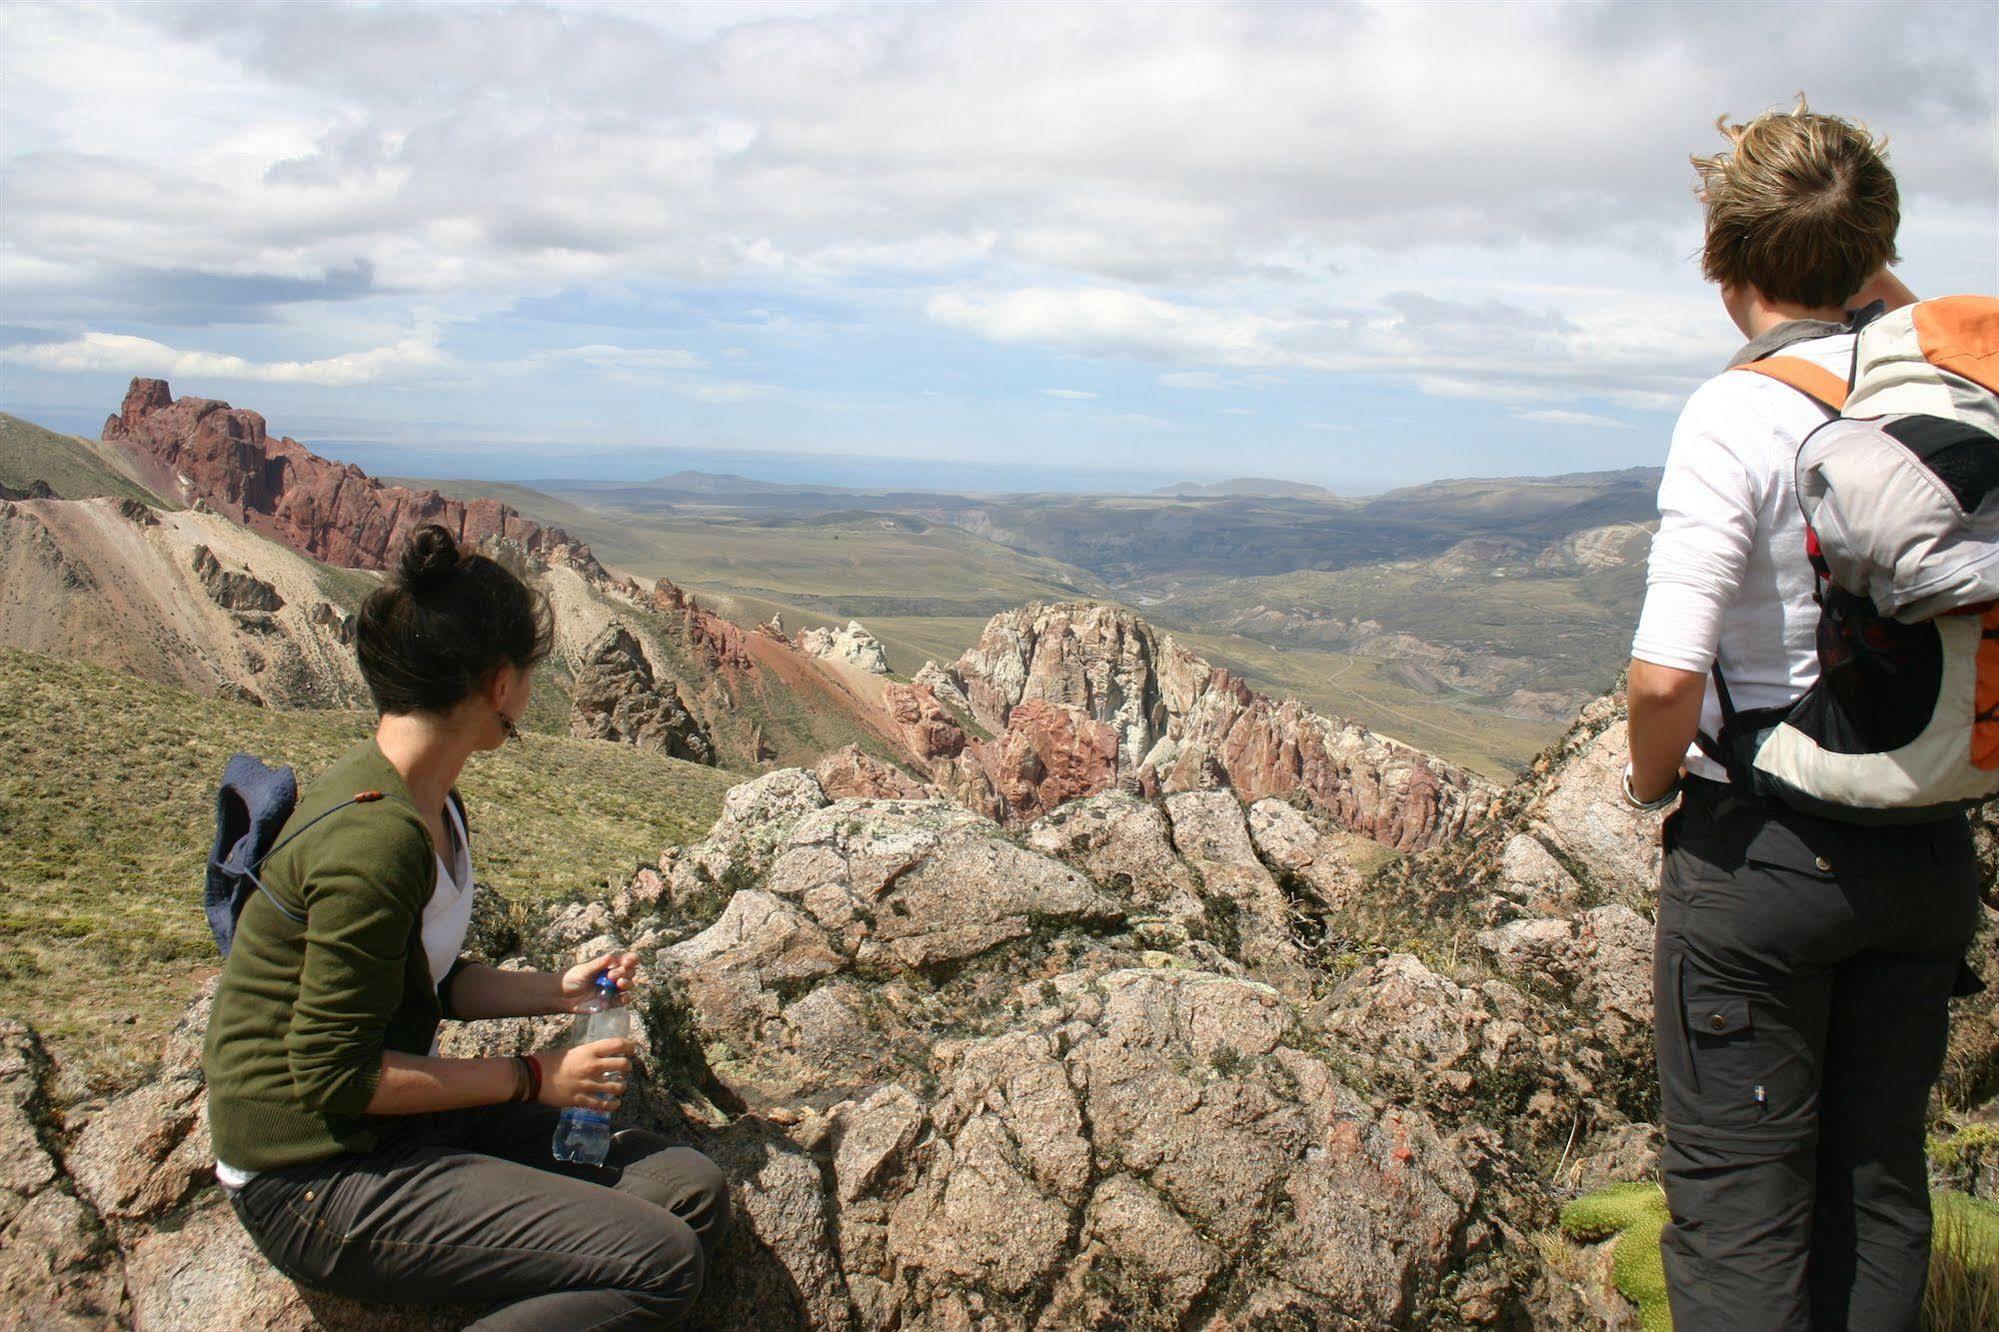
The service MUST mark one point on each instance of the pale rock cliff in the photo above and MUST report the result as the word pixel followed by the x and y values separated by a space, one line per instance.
pixel 853 646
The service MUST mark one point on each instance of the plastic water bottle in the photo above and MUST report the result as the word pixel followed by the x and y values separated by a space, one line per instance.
pixel 584 1136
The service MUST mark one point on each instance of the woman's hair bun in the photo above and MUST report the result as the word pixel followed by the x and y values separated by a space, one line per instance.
pixel 431 554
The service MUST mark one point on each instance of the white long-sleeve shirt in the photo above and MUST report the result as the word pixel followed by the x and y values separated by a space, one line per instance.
pixel 1728 572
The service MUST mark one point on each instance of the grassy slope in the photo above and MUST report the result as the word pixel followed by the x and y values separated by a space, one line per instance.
pixel 1962 1294
pixel 851 565
pixel 72 466
pixel 106 791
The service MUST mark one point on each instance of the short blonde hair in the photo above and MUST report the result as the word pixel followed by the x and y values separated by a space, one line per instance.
pixel 1801 205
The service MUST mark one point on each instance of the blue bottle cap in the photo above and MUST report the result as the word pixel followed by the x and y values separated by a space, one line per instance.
pixel 605 984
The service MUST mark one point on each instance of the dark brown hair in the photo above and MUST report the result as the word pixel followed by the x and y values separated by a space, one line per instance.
pixel 443 623
pixel 1802 207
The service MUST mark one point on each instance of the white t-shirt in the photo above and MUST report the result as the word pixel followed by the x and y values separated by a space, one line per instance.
pixel 446 916
pixel 449 911
pixel 1728 572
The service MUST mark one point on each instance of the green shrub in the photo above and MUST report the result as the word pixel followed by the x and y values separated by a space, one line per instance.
pixel 1963 1292
pixel 1636 1214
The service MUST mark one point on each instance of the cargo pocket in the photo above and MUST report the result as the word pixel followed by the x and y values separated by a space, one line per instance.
pixel 1717 1015
pixel 1741 1081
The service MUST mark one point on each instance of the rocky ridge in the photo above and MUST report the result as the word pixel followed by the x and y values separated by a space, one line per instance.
pixel 1079 697
pixel 199 448
pixel 1148 1062
pixel 185 597
pixel 1055 702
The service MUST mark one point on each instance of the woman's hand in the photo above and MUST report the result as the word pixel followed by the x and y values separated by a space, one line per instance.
pixel 579 982
pixel 587 1077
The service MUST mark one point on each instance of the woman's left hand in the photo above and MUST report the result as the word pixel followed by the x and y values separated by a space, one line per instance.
pixel 579 982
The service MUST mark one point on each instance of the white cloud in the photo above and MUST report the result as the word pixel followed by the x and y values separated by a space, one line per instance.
pixel 1477 349
pixel 1068 393
pixel 1106 321
pixel 1210 381
pixel 822 140
pixel 1224 189
pixel 608 357
pixel 727 391
pixel 1563 417
pixel 121 354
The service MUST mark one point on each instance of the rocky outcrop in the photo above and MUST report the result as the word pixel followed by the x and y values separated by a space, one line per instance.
pixel 58 1269
pixel 232 589
pixel 931 676
pixel 617 697
pixel 850 773
pixel 1098 699
pixel 717 643
pixel 199 449
pixel 1147 1062
pixel 853 646
pixel 1150 1062
pixel 177 597
pixel 1046 756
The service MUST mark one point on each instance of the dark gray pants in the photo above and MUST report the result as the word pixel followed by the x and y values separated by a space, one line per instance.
pixel 470 1208
pixel 1800 987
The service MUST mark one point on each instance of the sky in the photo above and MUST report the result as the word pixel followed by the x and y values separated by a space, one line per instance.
pixel 1060 244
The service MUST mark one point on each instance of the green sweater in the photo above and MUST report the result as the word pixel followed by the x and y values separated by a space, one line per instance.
pixel 305 1012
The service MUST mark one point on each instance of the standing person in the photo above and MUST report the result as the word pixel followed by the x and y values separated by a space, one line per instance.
pixel 1803 965
pixel 361 1162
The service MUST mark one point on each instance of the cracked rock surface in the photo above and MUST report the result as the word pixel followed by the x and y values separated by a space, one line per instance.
pixel 1144 1063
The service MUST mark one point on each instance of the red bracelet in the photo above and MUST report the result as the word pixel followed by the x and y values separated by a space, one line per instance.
pixel 533 1063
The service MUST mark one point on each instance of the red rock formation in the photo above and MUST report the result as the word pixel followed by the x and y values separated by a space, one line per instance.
pixel 1047 755
pixel 925 727
pixel 200 449
pixel 1174 723
pixel 1263 747
pixel 849 772
pixel 714 641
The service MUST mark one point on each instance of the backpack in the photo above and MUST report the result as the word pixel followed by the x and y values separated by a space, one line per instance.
pixel 1900 494
pixel 252 807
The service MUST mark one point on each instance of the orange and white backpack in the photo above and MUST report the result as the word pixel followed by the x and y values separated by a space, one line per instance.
pixel 1900 492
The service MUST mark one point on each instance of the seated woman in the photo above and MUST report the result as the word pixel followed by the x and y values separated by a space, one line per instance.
pixel 359 1161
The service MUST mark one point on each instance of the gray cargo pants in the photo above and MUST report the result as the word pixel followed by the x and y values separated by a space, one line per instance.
pixel 1800 986
pixel 469 1208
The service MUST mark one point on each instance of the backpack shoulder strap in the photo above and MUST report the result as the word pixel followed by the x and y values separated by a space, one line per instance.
pixel 250 871
pixel 1961 334
pixel 1822 386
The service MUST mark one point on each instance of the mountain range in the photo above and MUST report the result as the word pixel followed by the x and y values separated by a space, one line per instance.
pixel 249 591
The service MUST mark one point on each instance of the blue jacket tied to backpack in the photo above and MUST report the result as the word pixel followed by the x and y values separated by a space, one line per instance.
pixel 251 807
